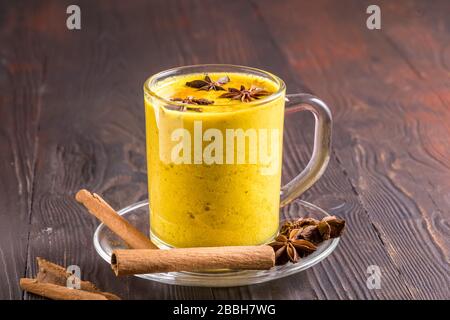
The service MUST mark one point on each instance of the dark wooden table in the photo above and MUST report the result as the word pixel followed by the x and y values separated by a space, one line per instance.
pixel 71 116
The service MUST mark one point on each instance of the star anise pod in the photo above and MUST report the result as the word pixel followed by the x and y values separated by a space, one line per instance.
pixel 192 100
pixel 245 95
pixel 290 248
pixel 314 230
pixel 208 84
pixel 315 233
pixel 336 225
pixel 300 223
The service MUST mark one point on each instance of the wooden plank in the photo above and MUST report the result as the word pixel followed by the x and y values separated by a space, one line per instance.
pixel 22 83
pixel 103 121
pixel 92 135
pixel 429 66
pixel 392 117
pixel 332 278
pixel 301 287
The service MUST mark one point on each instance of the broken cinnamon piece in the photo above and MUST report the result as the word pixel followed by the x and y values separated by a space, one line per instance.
pixel 50 272
pixel 56 292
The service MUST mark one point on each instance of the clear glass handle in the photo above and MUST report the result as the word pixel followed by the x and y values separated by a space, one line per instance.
pixel 322 144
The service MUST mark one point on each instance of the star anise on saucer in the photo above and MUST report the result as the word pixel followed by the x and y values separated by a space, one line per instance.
pixel 336 225
pixel 291 248
pixel 245 95
pixel 299 238
pixel 208 84
pixel 297 224
pixel 192 100
pixel 314 230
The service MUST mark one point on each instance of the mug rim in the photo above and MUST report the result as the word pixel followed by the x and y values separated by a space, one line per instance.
pixel 239 68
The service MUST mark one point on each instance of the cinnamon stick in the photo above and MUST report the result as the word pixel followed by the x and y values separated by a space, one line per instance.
pixel 121 227
pixel 56 292
pixel 52 273
pixel 125 262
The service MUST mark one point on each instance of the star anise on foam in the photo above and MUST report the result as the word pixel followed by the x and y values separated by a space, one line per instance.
pixel 208 84
pixel 245 95
pixel 291 248
pixel 192 100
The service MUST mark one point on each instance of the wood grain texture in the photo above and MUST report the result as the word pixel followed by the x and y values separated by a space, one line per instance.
pixel 22 83
pixel 392 113
pixel 71 117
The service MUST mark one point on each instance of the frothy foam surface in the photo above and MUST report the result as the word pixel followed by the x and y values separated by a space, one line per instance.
pixel 175 87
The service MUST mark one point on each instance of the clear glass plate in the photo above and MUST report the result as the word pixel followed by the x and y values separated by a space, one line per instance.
pixel 137 214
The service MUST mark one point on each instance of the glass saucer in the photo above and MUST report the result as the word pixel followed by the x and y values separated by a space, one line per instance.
pixel 137 214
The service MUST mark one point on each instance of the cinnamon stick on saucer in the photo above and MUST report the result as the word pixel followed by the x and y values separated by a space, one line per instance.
pixel 125 262
pixel 121 227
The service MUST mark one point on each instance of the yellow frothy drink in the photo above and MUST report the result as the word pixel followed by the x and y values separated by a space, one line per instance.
pixel 214 146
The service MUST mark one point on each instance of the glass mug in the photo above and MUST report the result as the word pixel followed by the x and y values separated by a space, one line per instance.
pixel 235 198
